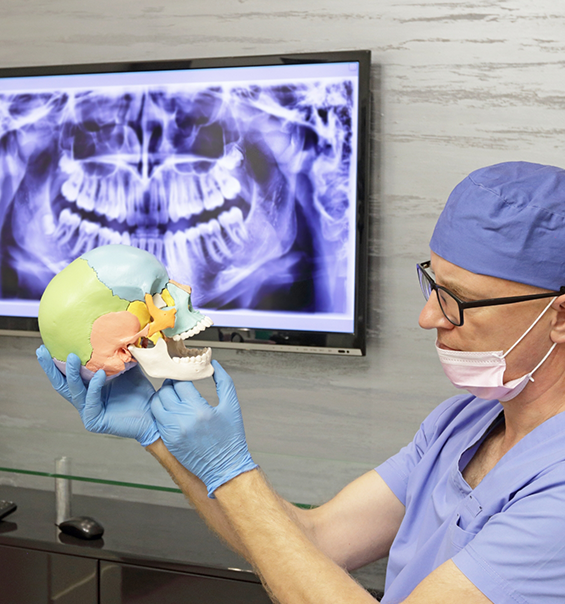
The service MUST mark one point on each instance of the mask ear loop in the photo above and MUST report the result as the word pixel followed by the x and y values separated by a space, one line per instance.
pixel 527 332
pixel 542 361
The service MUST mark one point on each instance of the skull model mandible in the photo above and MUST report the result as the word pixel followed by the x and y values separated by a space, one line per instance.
pixel 116 305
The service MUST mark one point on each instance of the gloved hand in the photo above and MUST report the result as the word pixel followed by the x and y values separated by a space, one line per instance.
pixel 208 441
pixel 121 407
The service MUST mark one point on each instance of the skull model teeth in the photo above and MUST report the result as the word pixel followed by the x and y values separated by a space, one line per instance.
pixel 202 325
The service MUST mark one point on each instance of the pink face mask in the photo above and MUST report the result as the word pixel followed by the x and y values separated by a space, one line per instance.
pixel 482 373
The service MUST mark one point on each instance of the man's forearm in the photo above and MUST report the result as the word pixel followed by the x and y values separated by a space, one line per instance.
pixel 293 569
pixel 195 491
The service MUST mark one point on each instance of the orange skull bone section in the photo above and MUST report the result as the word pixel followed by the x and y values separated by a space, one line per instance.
pixel 111 334
pixel 161 318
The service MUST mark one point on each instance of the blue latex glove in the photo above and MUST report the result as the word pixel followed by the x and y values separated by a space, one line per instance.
pixel 121 407
pixel 208 441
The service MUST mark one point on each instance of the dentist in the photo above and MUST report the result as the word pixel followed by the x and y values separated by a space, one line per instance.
pixel 472 510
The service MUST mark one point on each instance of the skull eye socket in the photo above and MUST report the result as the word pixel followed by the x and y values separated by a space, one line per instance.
pixel 158 301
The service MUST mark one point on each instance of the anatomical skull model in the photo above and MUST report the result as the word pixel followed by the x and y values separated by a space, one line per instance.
pixel 116 305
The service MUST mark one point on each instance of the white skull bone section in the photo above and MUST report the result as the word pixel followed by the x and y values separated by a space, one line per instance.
pixel 209 179
pixel 115 306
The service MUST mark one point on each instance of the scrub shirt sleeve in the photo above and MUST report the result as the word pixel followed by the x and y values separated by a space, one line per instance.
pixel 397 469
pixel 519 555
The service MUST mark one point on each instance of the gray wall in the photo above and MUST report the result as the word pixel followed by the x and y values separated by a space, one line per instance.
pixel 464 84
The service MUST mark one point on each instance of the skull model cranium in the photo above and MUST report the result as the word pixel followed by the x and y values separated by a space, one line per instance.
pixel 116 305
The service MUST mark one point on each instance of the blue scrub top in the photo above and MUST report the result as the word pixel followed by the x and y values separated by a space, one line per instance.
pixel 507 535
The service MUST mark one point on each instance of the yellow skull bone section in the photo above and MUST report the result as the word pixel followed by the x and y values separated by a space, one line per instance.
pixel 167 298
pixel 156 318
pixel 140 310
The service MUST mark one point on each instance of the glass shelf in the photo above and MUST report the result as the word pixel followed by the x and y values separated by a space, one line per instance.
pixel 113 483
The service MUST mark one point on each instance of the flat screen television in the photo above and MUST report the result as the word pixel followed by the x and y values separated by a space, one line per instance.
pixel 247 177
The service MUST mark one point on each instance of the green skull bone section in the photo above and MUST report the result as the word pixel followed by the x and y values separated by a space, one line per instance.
pixel 115 305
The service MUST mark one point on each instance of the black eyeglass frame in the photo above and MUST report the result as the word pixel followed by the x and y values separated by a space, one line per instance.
pixel 421 269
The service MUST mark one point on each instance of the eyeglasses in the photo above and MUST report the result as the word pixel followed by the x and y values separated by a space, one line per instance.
pixel 453 308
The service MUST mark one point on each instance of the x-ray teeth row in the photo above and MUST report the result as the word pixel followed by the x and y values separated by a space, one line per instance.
pixel 241 191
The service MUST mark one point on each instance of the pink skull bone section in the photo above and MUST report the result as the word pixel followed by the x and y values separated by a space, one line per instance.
pixel 111 334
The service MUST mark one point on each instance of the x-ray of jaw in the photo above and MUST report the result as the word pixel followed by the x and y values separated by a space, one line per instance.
pixel 241 191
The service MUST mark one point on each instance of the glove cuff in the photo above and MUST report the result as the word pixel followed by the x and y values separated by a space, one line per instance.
pixel 220 480
pixel 149 437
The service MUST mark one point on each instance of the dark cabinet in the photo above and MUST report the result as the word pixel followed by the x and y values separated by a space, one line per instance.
pixel 148 554
pixel 36 577
pixel 130 584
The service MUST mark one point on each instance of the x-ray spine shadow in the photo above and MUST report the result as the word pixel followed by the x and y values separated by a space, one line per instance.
pixel 241 191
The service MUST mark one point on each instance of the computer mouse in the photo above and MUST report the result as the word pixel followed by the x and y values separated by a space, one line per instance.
pixel 82 527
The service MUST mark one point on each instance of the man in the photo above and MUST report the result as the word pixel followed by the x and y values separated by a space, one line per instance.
pixel 472 511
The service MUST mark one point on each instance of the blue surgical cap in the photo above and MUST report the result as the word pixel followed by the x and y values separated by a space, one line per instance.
pixel 507 221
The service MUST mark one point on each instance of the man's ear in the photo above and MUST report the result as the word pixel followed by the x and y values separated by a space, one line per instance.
pixel 558 329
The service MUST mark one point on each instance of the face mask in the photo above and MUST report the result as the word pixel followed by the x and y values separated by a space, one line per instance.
pixel 481 373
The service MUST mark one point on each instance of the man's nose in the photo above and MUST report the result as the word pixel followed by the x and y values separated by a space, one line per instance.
pixel 432 316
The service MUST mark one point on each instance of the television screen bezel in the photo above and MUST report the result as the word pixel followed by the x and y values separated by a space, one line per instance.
pixel 353 343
